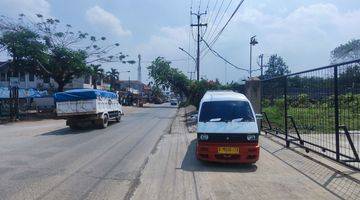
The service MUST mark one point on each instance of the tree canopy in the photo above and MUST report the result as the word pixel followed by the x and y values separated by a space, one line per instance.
pixel 53 50
pixel 112 77
pixel 24 48
pixel 276 66
pixel 346 52
pixel 168 77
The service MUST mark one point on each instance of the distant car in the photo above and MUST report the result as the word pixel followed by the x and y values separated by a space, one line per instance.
pixel 173 102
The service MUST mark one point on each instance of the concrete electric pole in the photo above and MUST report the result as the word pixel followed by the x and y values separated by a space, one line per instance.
pixel 191 73
pixel 198 25
pixel 261 56
pixel 253 42
pixel 139 68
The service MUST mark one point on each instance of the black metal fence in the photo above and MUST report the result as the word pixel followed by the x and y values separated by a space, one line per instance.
pixel 318 110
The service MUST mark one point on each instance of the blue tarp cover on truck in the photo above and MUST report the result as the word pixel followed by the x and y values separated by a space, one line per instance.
pixel 83 94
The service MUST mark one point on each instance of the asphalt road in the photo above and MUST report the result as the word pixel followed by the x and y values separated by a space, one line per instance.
pixel 46 160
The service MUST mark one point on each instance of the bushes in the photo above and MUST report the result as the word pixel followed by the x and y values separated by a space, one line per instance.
pixel 198 89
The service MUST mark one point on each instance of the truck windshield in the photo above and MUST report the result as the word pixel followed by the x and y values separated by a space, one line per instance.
pixel 226 111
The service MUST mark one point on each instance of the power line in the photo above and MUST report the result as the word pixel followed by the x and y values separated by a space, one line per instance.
pixel 216 16
pixel 218 55
pixel 219 22
pixel 211 15
pixel 226 24
pixel 207 18
pixel 173 60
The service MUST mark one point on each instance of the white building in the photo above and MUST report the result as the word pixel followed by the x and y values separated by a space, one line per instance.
pixel 30 80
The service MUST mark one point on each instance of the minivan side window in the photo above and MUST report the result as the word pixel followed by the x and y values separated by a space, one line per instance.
pixel 226 111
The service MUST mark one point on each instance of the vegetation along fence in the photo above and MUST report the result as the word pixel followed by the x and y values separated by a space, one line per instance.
pixel 318 110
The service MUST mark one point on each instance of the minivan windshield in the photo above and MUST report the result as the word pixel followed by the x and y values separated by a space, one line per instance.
pixel 226 111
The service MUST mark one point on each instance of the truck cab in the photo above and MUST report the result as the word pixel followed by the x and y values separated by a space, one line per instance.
pixel 227 129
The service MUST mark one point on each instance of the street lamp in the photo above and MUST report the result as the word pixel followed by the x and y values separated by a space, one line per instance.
pixel 253 42
pixel 128 71
pixel 192 57
pixel 188 54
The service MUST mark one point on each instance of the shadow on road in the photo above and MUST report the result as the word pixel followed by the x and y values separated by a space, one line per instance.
pixel 190 163
pixel 160 106
pixel 67 131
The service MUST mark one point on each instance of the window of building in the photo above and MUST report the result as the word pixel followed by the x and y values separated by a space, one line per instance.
pixel 22 76
pixel 2 77
pixel 31 77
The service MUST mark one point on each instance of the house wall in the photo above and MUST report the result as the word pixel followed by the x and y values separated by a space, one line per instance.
pixel 40 84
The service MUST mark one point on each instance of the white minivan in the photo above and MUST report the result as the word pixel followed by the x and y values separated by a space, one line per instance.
pixel 227 128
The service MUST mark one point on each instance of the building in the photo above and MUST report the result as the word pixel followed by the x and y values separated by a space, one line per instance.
pixel 134 85
pixel 30 80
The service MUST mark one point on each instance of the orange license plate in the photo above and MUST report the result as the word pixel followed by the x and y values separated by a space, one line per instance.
pixel 228 150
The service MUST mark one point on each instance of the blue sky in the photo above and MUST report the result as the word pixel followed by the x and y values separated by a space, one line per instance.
pixel 303 32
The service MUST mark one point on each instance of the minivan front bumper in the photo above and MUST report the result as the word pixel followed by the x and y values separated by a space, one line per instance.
pixel 208 151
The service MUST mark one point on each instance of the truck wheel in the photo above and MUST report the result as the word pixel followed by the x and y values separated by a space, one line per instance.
pixel 105 121
pixel 74 126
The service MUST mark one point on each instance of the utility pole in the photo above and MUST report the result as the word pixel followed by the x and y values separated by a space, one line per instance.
pixel 198 25
pixel 253 42
pixel 139 68
pixel 261 56
pixel 191 73
pixel 225 73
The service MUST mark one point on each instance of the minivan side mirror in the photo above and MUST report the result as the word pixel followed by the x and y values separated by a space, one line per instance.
pixel 259 116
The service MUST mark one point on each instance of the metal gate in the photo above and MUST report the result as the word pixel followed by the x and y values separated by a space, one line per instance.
pixel 318 110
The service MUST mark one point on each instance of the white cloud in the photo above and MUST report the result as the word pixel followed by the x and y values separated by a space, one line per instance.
pixel 304 36
pixel 166 42
pixel 29 7
pixel 104 19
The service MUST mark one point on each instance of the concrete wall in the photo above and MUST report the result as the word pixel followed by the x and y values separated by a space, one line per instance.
pixel 253 93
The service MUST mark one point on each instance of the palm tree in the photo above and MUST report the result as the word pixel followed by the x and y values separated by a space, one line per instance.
pixel 97 73
pixel 113 76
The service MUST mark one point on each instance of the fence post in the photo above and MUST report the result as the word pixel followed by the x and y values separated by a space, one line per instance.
pixel 253 93
pixel 286 112
pixel 336 106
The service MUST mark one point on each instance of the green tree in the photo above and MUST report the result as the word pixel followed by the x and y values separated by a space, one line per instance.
pixel 63 65
pixel 113 76
pixel 45 46
pixel 97 73
pixel 346 52
pixel 276 66
pixel 24 48
pixel 165 76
